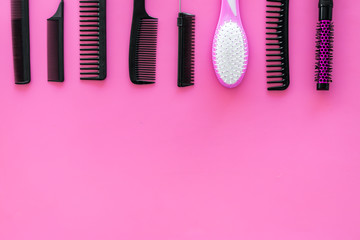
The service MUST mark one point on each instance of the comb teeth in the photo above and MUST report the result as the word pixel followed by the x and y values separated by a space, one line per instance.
pixel 21 40
pixel 324 52
pixel 93 39
pixel 145 51
pixel 186 23
pixel 277 45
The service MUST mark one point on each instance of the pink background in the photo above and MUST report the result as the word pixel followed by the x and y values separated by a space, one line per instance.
pixel 110 160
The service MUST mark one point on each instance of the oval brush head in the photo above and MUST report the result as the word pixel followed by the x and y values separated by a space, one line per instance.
pixel 230 46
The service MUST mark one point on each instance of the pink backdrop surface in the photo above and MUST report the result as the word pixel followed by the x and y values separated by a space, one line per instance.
pixel 110 160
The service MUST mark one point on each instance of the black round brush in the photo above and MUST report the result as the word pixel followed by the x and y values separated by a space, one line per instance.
pixel 324 45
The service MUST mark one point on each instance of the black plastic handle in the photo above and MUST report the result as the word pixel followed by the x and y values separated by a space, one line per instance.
pixel 326 9
pixel 139 9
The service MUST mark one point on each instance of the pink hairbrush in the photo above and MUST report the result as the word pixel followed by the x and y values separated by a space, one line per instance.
pixel 230 46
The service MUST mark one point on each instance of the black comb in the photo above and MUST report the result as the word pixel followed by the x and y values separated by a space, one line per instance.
pixel 186 24
pixel 55 27
pixel 21 40
pixel 143 43
pixel 93 39
pixel 278 45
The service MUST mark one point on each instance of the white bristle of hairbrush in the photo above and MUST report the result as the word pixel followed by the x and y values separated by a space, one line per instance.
pixel 230 52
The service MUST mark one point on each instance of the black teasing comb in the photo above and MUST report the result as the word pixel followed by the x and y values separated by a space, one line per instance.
pixel 143 43
pixel 55 27
pixel 186 24
pixel 93 39
pixel 278 44
pixel 21 40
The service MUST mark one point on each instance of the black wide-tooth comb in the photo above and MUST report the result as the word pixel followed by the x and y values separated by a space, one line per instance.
pixel 278 45
pixel 143 44
pixel 186 24
pixel 21 40
pixel 93 39
pixel 55 27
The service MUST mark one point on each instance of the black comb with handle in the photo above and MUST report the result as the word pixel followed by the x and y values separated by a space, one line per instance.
pixel 93 40
pixel 21 40
pixel 186 24
pixel 143 44
pixel 278 45
pixel 55 28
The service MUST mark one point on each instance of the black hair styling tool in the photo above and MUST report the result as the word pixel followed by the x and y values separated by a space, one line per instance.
pixel 143 43
pixel 324 45
pixel 93 39
pixel 186 24
pixel 21 40
pixel 278 45
pixel 55 40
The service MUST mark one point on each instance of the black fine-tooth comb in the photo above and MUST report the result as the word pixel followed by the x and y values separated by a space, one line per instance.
pixel 55 28
pixel 21 40
pixel 186 24
pixel 143 43
pixel 93 39
pixel 278 45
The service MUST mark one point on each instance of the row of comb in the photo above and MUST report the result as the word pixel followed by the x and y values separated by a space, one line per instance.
pixel 143 46
pixel 93 62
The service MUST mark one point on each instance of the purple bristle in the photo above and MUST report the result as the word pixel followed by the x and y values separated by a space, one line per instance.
pixel 324 54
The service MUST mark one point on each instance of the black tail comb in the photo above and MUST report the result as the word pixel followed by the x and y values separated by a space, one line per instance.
pixel 93 39
pixel 55 26
pixel 278 45
pixel 143 44
pixel 186 24
pixel 21 40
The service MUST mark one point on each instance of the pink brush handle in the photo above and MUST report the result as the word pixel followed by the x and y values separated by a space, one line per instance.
pixel 230 9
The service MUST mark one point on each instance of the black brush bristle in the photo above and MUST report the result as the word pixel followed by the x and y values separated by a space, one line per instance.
pixel 55 26
pixel 186 24
pixel 278 45
pixel 21 40
pixel 93 40
pixel 143 46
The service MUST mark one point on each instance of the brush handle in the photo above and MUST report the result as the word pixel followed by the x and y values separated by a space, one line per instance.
pixel 230 7
pixel 325 9
pixel 139 9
